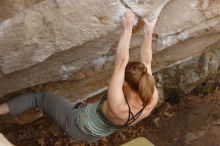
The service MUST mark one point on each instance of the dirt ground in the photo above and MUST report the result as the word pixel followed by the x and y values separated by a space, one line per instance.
pixel 194 121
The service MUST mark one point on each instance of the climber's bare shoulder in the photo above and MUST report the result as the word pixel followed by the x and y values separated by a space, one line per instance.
pixel 149 108
pixel 154 101
pixel 120 116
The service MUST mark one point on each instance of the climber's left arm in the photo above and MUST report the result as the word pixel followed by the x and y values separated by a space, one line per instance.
pixel 146 48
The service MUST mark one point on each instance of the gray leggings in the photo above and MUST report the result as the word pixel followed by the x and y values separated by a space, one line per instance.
pixel 58 108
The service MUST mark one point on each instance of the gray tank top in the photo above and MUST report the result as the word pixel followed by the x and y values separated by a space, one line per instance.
pixel 92 121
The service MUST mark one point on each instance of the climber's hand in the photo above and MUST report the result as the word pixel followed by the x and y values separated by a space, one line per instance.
pixel 149 26
pixel 128 20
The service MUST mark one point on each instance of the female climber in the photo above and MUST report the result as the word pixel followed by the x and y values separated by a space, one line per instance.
pixel 131 97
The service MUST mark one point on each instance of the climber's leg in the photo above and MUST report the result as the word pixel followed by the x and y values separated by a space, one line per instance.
pixel 56 107
pixel 60 109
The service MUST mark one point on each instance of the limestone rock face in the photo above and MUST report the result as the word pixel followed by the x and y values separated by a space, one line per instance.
pixel 67 46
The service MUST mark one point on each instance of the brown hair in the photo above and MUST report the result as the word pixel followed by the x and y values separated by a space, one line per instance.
pixel 140 80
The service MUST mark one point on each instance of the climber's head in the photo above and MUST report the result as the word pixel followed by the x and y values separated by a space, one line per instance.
pixel 138 79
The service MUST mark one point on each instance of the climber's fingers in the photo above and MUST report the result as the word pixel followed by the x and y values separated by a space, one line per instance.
pixel 129 18
pixel 149 26
pixel 153 22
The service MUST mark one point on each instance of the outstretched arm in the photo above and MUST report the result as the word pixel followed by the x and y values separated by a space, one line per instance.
pixel 146 48
pixel 115 91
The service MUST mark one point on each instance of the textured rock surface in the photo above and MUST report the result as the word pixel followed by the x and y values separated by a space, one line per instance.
pixel 67 46
pixel 9 8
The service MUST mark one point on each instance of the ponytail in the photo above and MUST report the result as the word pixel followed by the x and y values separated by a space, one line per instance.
pixel 139 80
pixel 146 88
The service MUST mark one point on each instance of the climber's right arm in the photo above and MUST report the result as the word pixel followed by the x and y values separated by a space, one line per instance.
pixel 115 91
